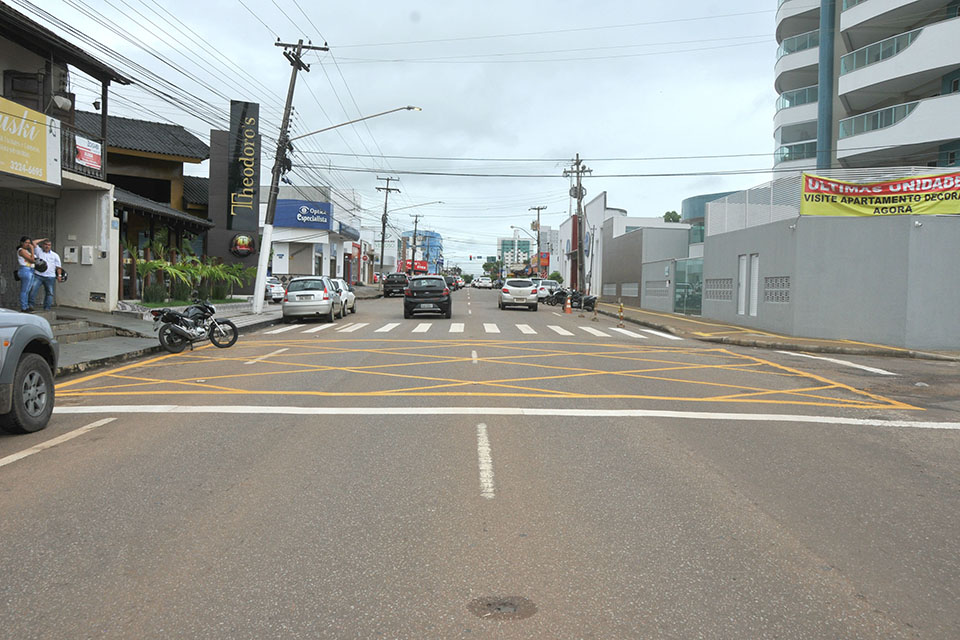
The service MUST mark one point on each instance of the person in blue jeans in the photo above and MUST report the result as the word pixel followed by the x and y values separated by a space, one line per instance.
pixel 45 279
pixel 25 262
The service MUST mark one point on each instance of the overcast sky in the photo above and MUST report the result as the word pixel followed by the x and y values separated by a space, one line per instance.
pixel 507 89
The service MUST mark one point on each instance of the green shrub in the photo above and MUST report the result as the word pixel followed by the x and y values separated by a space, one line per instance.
pixel 220 290
pixel 154 292
pixel 180 290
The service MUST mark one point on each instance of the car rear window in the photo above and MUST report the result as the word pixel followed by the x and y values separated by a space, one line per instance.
pixel 396 277
pixel 306 285
pixel 519 283
pixel 427 283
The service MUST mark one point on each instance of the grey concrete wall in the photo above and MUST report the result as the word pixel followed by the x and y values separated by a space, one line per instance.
pixel 657 285
pixel 622 262
pixel 882 280
pixel 852 278
pixel 776 243
pixel 933 285
pixel 625 256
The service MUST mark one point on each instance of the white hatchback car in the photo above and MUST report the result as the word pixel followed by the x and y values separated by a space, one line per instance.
pixel 274 290
pixel 347 294
pixel 518 292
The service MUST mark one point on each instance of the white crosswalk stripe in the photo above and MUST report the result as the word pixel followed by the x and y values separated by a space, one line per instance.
pixel 668 336
pixel 596 332
pixel 423 327
pixel 320 327
pixel 628 333
pixel 282 329
pixel 490 327
pixel 351 329
pixel 559 330
pixel 527 329
pixel 456 327
pixel 388 327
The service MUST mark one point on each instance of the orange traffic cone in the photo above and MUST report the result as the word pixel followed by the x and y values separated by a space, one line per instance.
pixel 566 306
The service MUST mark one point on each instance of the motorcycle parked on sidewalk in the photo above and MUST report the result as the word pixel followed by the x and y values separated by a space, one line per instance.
pixel 193 324
pixel 577 299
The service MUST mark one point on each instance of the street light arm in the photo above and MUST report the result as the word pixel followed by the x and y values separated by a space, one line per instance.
pixel 343 124
pixel 423 204
pixel 532 237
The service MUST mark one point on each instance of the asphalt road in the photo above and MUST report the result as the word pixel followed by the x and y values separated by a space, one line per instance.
pixel 502 474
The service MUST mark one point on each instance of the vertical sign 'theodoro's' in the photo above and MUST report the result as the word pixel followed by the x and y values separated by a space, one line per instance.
pixel 243 172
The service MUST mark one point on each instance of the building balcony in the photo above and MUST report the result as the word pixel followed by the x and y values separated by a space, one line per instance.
pixel 899 66
pixel 909 133
pixel 799 153
pixel 796 16
pixel 796 107
pixel 797 69
pixel 863 23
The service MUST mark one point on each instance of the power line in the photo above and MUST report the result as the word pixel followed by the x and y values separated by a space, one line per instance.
pixel 569 30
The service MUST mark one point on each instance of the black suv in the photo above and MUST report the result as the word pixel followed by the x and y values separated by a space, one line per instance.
pixel 394 283
pixel 427 294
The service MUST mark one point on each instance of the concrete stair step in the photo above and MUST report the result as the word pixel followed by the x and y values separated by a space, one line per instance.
pixel 68 324
pixel 68 336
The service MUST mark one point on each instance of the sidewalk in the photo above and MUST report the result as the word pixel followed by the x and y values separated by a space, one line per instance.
pixel 136 338
pixel 706 330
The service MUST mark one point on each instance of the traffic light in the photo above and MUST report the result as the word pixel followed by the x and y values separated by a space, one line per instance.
pixel 471 257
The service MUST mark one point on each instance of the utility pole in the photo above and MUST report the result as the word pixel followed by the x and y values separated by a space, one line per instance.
pixel 413 252
pixel 383 221
pixel 538 210
pixel 579 192
pixel 278 165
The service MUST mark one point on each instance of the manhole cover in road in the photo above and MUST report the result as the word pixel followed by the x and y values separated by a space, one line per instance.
pixel 506 608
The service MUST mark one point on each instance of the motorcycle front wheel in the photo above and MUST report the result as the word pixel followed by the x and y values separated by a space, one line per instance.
pixel 223 333
pixel 171 340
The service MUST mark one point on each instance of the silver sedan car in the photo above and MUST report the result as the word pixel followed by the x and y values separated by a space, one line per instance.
pixel 312 297
pixel 518 292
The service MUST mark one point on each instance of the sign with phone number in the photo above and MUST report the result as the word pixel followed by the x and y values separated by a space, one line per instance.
pixel 31 142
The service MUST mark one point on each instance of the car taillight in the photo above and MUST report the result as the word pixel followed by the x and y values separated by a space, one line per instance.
pixel 446 291
pixel 534 292
pixel 326 294
pixel 407 292
pixel 505 290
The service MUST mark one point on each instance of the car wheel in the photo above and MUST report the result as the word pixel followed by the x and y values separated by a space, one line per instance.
pixel 353 309
pixel 331 316
pixel 343 311
pixel 33 396
pixel 533 307
pixel 449 312
pixel 406 314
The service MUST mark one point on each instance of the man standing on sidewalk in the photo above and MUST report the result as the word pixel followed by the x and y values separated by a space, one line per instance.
pixel 51 274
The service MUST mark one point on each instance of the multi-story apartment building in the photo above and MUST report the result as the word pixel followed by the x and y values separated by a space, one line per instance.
pixel 515 250
pixel 867 83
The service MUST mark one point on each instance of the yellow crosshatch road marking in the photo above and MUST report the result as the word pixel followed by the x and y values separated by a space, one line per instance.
pixel 507 369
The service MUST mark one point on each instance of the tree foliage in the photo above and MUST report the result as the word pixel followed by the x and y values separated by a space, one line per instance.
pixel 671 216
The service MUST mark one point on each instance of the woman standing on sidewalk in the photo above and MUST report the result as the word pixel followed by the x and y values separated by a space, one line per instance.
pixel 25 262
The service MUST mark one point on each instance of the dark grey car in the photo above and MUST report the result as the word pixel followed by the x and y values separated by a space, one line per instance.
pixel 28 360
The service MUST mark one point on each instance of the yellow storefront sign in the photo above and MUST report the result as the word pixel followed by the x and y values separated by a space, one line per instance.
pixel 918 195
pixel 29 143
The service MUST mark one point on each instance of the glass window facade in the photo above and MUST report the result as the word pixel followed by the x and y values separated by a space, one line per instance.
pixel 688 289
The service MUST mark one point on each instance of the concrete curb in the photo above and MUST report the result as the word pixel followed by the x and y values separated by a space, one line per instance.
pixel 791 346
pixel 81 367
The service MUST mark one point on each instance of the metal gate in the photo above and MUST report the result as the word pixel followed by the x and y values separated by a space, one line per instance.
pixel 21 214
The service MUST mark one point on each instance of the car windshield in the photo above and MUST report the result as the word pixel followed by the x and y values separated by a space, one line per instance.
pixel 306 285
pixel 427 283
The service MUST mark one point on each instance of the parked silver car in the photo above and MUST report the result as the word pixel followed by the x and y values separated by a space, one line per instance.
pixel 28 360
pixel 312 297
pixel 518 292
